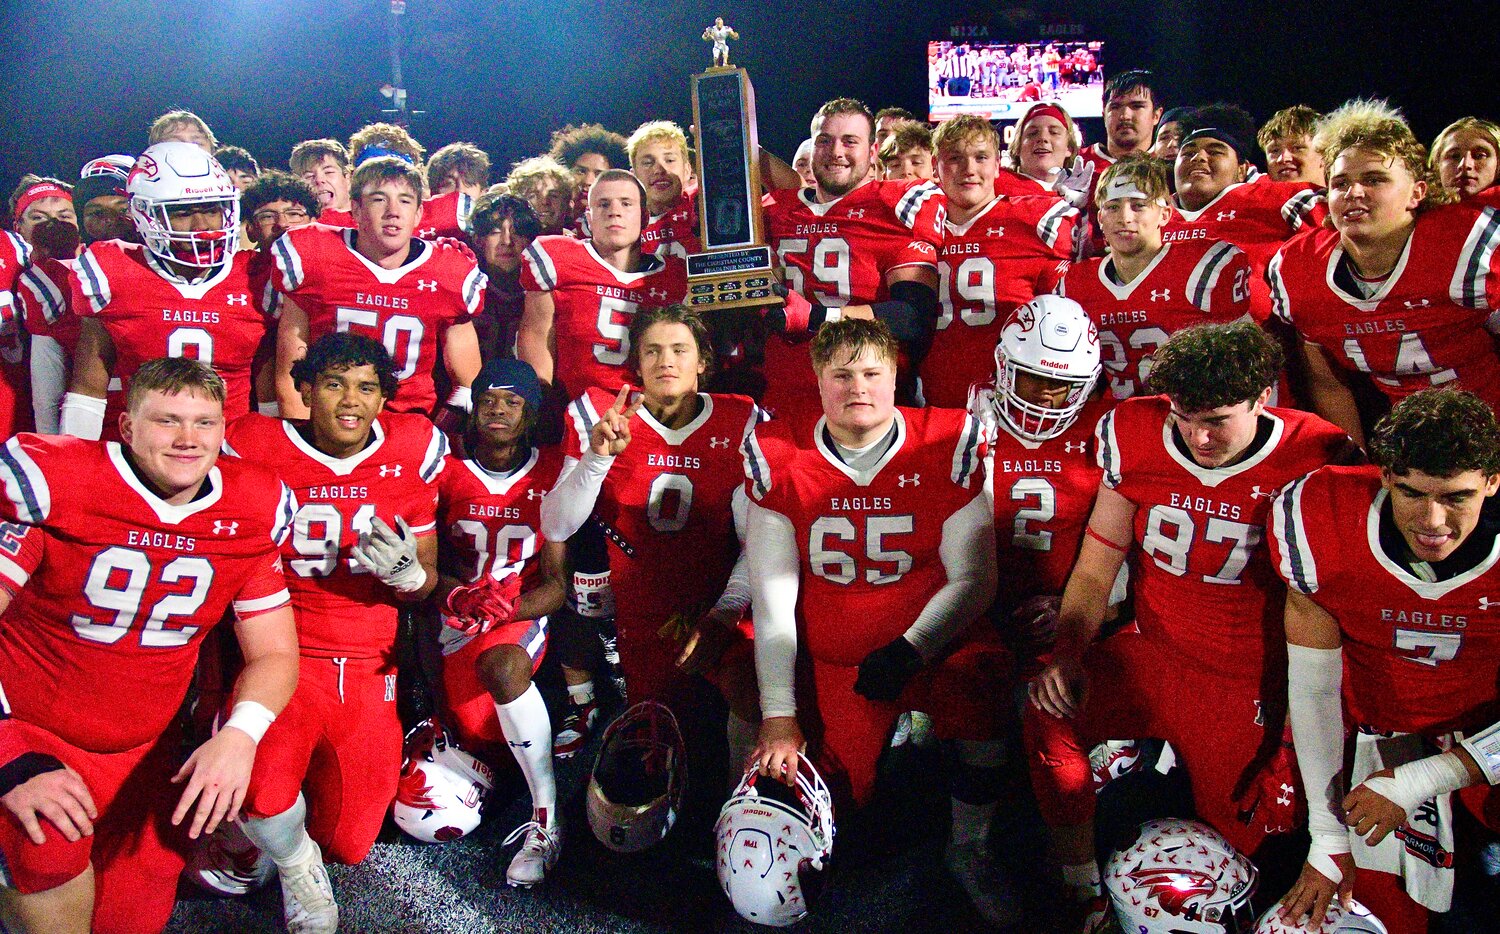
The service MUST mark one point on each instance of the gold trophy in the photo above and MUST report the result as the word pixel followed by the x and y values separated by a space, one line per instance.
pixel 734 269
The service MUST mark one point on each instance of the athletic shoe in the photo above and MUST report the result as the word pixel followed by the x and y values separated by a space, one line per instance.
pixel 577 723
pixel 307 897
pixel 539 851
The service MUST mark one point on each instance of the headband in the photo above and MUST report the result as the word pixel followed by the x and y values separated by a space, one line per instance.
pixel 1122 186
pixel 378 148
pixel 38 192
pixel 1223 136
pixel 1044 110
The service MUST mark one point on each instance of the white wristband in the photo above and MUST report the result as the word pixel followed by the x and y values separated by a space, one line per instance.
pixel 1411 784
pixel 251 718
pixel 82 416
pixel 462 398
pixel 1484 747
pixel 269 409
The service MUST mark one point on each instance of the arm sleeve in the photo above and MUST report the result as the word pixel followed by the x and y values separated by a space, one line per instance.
pixel 49 380
pixel 774 575
pixel 967 551
pixel 736 598
pixel 571 501
pixel 1314 678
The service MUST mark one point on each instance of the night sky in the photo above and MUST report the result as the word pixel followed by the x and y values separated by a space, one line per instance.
pixel 83 79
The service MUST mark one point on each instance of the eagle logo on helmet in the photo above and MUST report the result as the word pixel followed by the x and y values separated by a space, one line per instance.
pixel 1175 889
pixel 145 167
pixel 1026 317
pixel 413 789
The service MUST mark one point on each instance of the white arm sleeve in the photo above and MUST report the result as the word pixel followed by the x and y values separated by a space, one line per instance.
pixel 967 551
pixel 1484 747
pixel 771 543
pixel 571 500
pixel 82 416
pixel 736 596
pixel 49 380
pixel 1314 680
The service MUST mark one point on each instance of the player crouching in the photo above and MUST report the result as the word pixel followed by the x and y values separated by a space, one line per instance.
pixel 499 579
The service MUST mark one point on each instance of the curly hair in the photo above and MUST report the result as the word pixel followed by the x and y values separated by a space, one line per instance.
pixel 274 185
pixel 342 351
pixel 495 207
pixel 237 157
pixel 853 336
pixel 1377 127
pixel 1208 366
pixel 525 177
pixel 1441 432
pixel 572 143
pixel 673 314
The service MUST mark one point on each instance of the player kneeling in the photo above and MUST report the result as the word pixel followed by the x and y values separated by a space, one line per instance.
pixel 499 580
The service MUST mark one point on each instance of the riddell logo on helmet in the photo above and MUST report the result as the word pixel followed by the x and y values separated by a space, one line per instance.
pixel 1056 364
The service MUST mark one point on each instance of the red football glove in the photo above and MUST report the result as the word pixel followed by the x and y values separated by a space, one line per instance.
pixel 1272 797
pixel 453 243
pixel 794 317
pixel 482 605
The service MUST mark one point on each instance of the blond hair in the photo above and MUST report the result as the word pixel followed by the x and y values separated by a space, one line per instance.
pixel 388 135
pixel 173 375
pixel 1377 127
pixel 1147 172
pixel 655 131
pixel 964 129
pixel 162 126
pixel 1486 128
pixel 1075 138
pixel 526 176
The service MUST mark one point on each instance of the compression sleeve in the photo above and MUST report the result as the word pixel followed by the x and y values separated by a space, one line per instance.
pixel 771 543
pixel 571 501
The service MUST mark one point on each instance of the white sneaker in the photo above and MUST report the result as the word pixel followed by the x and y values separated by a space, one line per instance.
pixel 538 853
pixel 307 897
pixel 982 882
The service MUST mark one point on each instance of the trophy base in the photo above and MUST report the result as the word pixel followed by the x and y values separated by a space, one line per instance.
pixel 732 278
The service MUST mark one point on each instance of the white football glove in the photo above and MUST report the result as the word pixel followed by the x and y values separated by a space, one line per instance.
pixel 1075 182
pixel 391 555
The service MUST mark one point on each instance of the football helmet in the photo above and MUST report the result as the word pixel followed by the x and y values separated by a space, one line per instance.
pixel 1356 920
pixel 115 166
pixel 774 844
pixel 1182 877
pixel 1054 338
pixel 442 790
pixel 635 791
pixel 225 862
pixel 173 175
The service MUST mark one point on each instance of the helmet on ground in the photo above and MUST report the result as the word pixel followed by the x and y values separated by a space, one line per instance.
pixel 1181 877
pixel 774 845
pixel 441 793
pixel 635 791
pixel 1337 920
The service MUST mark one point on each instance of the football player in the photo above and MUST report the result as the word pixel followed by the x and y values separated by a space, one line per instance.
pixel 1400 289
pixel 581 295
pixel 1287 140
pixel 499 581
pixel 802 163
pixel 848 247
pixel 504 226
pixel 587 151
pixel 239 164
pixel 417 297
pixel 118 559
pixel 659 157
pixel 871 543
pixel 1146 289
pixel 324 164
pixel 997 253
pixel 460 167
pixel 886 121
pixel 273 204
pixel 182 126
pixel 548 187
pixel 1464 156
pixel 15 254
pixel 443 215
pixel 1169 134
pixel 1132 110
pixel 186 291
pixel 362 546
pixel 906 154
pixel 36 258
pixel 1046 140
pixel 1188 479
pixel 1389 569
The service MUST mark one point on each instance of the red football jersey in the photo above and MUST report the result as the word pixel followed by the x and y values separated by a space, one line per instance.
pixel 408 308
pixel 1011 184
pixel 594 304
pixel 1201 574
pixel 1429 324
pixel 99 646
pixel 15 372
pixel 867 542
pixel 43 292
pixel 491 523
pixel 444 216
pixel 838 253
pixel 1044 492
pixel 1012 251
pixel 1192 282
pixel 674 231
pixel 1420 656
pixel 1256 217
pixel 329 217
pixel 150 313
pixel 667 499
pixel 343 611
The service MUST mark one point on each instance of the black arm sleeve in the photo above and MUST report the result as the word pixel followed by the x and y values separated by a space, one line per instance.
pixel 910 312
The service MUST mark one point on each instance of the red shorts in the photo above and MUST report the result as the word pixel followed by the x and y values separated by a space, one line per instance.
pixel 964 692
pixel 341 738
pixel 468 708
pixel 1137 690
pixel 137 854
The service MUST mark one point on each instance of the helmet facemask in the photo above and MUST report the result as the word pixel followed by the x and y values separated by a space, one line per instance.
pixel 1027 419
pixel 200 249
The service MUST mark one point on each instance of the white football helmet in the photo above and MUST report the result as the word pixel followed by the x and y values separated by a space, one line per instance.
pixel 774 844
pixel 225 862
pixel 173 175
pixel 1054 338
pixel 442 790
pixel 635 791
pixel 117 166
pixel 1357 920
pixel 1181 877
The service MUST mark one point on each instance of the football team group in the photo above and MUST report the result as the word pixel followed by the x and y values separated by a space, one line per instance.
pixel 1168 454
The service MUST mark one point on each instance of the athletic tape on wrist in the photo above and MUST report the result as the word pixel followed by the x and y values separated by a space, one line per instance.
pixel 251 718
pixel 1484 746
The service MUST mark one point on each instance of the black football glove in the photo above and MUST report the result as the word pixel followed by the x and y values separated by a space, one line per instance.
pixel 884 673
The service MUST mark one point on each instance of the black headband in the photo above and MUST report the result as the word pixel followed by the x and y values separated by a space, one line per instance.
pixel 1223 136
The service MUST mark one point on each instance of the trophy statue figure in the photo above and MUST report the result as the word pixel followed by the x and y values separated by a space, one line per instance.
pixel 719 35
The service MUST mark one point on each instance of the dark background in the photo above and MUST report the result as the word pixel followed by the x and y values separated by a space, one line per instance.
pixel 84 78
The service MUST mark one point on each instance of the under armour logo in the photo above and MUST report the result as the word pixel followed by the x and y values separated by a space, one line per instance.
pixel 535 494
pixel 1161 295
pixel 427 233
pixel 657 294
pixel 718 442
pixel 1225 215
pixel 1257 493
pixel 390 688
pixel 1418 304
pixel 996 231
pixel 857 212
pixel 680 216
pixel 523 744
pixel 390 470
pixel 426 285
pixel 915 480
pixel 1075 447
pixel 1284 798
pixel 237 299
pixel 225 528
pixel 1485 603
